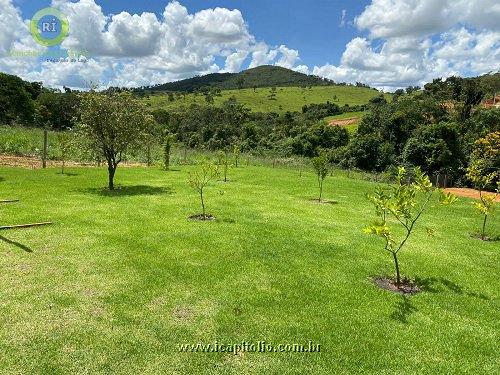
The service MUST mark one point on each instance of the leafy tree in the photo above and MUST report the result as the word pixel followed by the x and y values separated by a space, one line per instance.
pixel 472 94
pixel 434 148
pixel 65 144
pixel 61 109
pixel 200 179
pixel 484 172
pixel 16 100
pixel 405 202
pixel 115 123
pixel 321 167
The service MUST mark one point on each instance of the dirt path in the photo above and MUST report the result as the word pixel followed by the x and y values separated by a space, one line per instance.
pixel 468 193
pixel 344 122
pixel 32 162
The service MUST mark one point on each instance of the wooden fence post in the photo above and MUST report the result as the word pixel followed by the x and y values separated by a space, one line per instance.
pixel 45 147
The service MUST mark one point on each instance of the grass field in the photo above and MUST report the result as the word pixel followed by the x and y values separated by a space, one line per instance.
pixel 287 98
pixel 121 280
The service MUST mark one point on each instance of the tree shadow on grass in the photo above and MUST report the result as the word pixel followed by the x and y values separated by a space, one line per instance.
pixel 16 244
pixel 124 191
pixel 403 309
pixel 439 284
pixel 68 174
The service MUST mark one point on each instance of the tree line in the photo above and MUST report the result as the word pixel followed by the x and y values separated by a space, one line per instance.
pixel 435 128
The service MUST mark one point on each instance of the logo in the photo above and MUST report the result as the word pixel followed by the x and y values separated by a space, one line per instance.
pixel 49 27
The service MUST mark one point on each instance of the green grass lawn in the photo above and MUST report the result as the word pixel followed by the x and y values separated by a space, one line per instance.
pixel 287 98
pixel 120 281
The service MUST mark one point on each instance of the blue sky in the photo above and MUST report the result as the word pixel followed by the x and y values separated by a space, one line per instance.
pixel 387 44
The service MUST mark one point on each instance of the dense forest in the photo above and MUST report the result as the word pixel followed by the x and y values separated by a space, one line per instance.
pixel 436 127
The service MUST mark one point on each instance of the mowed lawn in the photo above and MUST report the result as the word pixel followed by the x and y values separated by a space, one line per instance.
pixel 287 98
pixel 119 282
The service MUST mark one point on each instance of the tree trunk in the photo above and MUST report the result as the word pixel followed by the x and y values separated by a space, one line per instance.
pixel 62 168
pixel 111 175
pixel 320 181
pixel 202 203
pixel 45 147
pixel 396 264
pixel 483 233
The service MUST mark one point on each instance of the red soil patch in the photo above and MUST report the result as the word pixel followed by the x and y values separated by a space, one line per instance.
pixel 344 122
pixel 468 193
pixel 489 103
pixel 33 162
pixel 29 162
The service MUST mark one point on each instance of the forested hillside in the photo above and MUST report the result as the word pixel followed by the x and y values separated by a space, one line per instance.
pixel 262 76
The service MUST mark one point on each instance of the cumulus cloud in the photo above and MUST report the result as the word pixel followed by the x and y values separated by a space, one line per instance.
pixel 413 41
pixel 142 49
pixel 234 61
pixel 401 42
pixel 420 18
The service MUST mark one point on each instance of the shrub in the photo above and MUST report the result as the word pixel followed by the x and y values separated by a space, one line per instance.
pixel 321 167
pixel 405 202
pixel 201 178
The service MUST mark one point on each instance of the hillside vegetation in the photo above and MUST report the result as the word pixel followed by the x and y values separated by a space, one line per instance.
pixel 286 98
pixel 262 76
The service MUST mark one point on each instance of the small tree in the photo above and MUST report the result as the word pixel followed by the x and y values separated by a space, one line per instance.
pixel 65 143
pixel 484 173
pixel 200 179
pixel 480 178
pixel 168 141
pixel 321 167
pixel 114 123
pixel 405 201
pixel 223 161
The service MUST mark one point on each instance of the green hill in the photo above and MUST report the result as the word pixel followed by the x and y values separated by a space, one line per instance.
pixel 262 76
pixel 258 100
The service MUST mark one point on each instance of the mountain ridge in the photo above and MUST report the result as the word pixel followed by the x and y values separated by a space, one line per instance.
pixel 261 76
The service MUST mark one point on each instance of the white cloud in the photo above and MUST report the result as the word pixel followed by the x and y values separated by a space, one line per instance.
pixel 234 61
pixel 304 69
pixel 420 18
pixel 288 57
pixel 141 49
pixel 413 41
pixel 404 42
pixel 80 74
